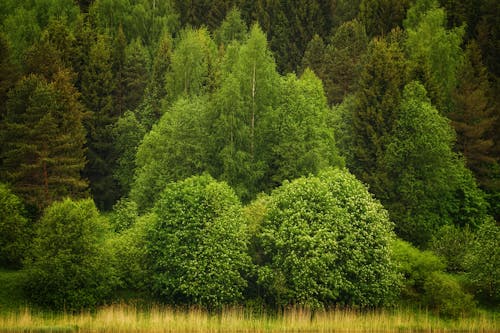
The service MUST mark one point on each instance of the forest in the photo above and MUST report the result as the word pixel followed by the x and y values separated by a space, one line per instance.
pixel 267 154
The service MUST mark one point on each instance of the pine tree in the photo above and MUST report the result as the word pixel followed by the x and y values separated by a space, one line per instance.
pixel 377 100
pixel 472 115
pixel 44 142
pixel 135 73
pixel 120 86
pixel 97 89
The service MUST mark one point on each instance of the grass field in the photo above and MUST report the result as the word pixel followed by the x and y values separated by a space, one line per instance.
pixel 124 318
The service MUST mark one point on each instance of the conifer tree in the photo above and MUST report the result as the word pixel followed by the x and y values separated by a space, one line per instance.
pixel 97 89
pixel 44 140
pixel 378 96
pixel 135 73
pixel 118 58
pixel 472 115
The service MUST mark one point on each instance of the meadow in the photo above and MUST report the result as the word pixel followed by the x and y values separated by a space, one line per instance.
pixel 130 318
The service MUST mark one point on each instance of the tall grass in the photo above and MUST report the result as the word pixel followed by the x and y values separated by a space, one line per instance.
pixel 126 318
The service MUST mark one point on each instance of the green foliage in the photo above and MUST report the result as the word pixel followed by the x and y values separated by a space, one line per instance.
pixel 14 233
pixel 381 16
pixel 173 150
pixel 375 110
pixel 43 151
pixel 231 29
pixel 483 262
pixel 11 294
pixel 192 64
pixel 127 134
pixel 434 52
pixel 97 88
pixel 415 266
pixel 124 215
pixel 304 144
pixel 68 267
pixel 445 296
pixel 326 241
pixel 197 245
pixel 452 244
pixel 129 247
pixel 431 186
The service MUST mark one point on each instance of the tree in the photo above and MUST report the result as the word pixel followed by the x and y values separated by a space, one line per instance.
pixel 434 51
pixel 127 135
pixel 381 16
pixel 197 245
pixel 378 95
pixel 174 149
pixel 473 116
pixel 14 236
pixel 483 262
pixel 304 143
pixel 135 74
pixel 232 28
pixel 430 185
pixel 343 60
pixel 244 102
pixel 68 266
pixel 97 88
pixel 43 151
pixel 326 241
pixel 193 61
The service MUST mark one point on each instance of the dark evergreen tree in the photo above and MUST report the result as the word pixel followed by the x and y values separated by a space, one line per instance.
pixel 378 96
pixel 43 151
pixel 97 89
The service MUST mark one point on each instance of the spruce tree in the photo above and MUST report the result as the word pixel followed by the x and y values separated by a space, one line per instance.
pixel 44 140
pixel 97 89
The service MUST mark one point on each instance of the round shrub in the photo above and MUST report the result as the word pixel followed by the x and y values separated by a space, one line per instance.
pixel 325 241
pixel 69 264
pixel 197 245
pixel 13 228
pixel 445 296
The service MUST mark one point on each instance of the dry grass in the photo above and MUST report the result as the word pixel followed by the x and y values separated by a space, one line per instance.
pixel 125 318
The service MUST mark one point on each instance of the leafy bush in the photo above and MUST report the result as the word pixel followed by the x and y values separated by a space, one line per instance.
pixel 124 214
pixel 444 295
pixel 415 266
pixel 13 228
pixel 69 266
pixel 483 262
pixel 129 249
pixel 197 245
pixel 451 243
pixel 325 240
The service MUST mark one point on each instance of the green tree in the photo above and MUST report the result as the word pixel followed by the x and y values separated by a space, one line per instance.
pixel 127 135
pixel 118 58
pixel 304 143
pixel 343 60
pixel 174 149
pixel 43 152
pixel 483 262
pixel 381 16
pixel 14 236
pixel 135 74
pixel 434 51
pixel 197 245
pixel 430 185
pixel 97 88
pixel 232 28
pixel 378 96
pixel 473 116
pixel 243 108
pixel 193 61
pixel 326 241
pixel 68 267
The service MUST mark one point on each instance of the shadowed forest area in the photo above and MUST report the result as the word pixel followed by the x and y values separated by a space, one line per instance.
pixel 263 154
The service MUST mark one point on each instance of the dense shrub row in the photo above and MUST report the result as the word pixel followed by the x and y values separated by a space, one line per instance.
pixel 317 241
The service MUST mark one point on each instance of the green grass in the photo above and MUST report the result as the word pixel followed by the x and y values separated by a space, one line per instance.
pixel 126 318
